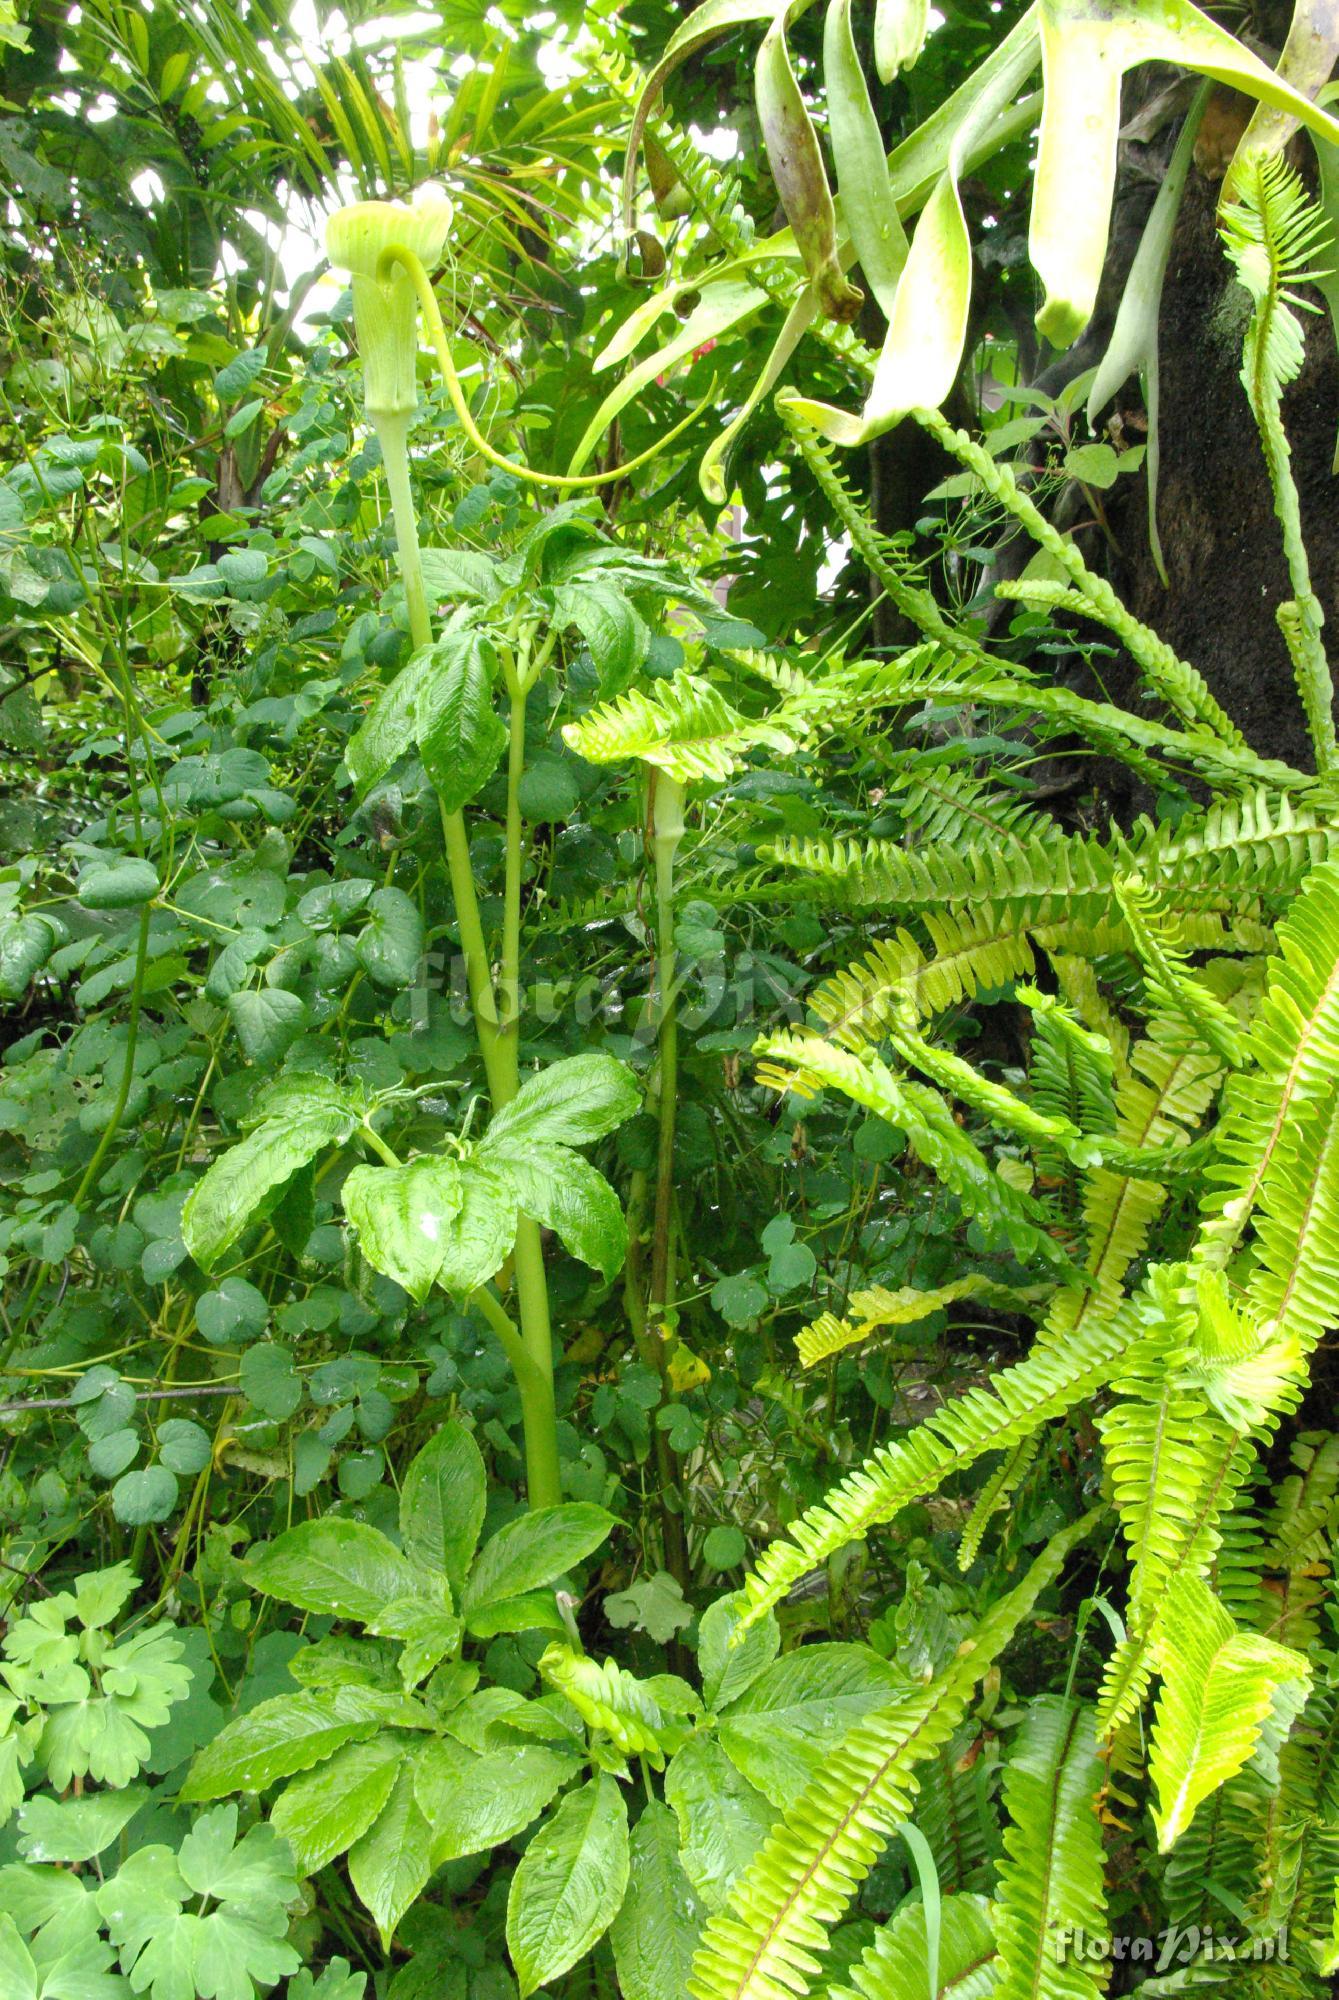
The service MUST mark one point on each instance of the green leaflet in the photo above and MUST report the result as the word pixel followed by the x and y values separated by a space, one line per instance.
pixel 174 1953
pixel 483 1229
pixel 474 1802
pixel 566 1194
pixel 290 1733
pixel 442 1503
pixel 779 1730
pixel 570 1883
pixel 656 1932
pixel 344 1568
pixel 390 1865
pixel 460 735
pixel 533 1551
pixel 322 1814
pixel 730 1659
pixel 571 1103
pixel 723 1819
pixel 219 1208
pixel 403 1216
pixel 442 705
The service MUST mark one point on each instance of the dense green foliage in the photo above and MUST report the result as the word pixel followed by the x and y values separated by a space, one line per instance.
pixel 666 1296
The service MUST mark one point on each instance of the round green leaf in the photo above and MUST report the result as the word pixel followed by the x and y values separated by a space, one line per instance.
pixel 142 1498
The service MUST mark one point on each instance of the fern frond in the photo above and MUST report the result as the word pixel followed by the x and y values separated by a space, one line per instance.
pixel 896 1966
pixel 1004 1481
pixel 1137 740
pixel 1221 1845
pixel 1295 1042
pixel 1157 1448
pixel 684 726
pixel 1169 983
pixel 1015 1403
pixel 1273 232
pixel 1218 1687
pixel 956 1812
pixel 885 560
pixel 1043 879
pixel 1050 1882
pixel 978 950
pixel 804 1064
pixel 876 1308
pixel 1167 1089
pixel 941 803
pixel 764 1945
pixel 1071 1074
pixel 1299 1530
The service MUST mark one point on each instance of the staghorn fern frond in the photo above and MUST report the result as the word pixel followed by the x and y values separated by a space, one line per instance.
pixel 684 727
pixel 1218 1687
pixel 896 1966
pixel 1050 1881
pixel 876 1308
pixel 1016 1403
pixel 764 1945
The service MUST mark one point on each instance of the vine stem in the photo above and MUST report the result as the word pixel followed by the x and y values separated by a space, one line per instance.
pixel 499 1048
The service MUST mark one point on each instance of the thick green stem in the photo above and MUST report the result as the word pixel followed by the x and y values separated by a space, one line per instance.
pixel 666 833
pixel 499 1048
pixel 532 1288
pixel 509 983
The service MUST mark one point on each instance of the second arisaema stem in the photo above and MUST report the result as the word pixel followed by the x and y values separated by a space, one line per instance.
pixel 666 814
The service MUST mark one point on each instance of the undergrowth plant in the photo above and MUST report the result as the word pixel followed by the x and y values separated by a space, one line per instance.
pixel 667 1307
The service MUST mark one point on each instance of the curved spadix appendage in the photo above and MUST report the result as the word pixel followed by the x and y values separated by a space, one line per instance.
pixel 1087 46
pixel 386 247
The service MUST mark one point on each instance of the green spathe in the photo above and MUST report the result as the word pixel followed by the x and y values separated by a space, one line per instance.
pixel 385 303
